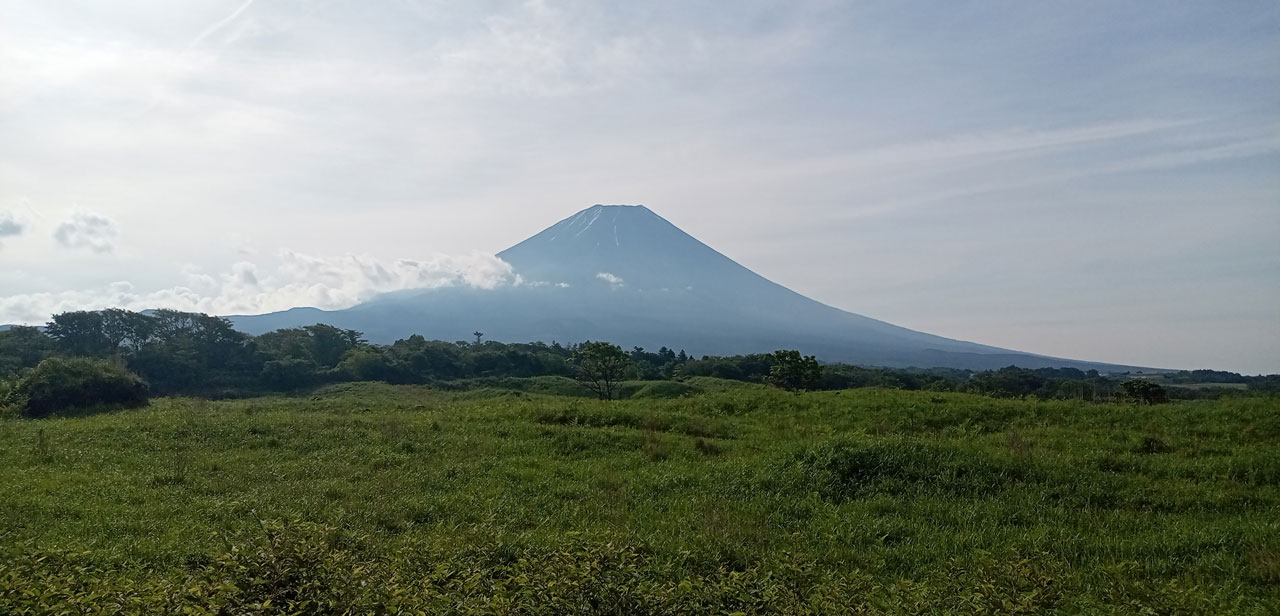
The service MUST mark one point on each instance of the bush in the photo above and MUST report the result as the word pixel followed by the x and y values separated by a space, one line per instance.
pixel 1143 392
pixel 58 385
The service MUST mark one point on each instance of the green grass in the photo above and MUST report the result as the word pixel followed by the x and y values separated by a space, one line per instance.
pixel 742 500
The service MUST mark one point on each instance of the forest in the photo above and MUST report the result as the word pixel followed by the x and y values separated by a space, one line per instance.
pixel 168 352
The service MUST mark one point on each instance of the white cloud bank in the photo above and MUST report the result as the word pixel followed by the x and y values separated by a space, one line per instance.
pixel 297 280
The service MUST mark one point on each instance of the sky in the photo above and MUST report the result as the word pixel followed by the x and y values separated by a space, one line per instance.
pixel 1093 180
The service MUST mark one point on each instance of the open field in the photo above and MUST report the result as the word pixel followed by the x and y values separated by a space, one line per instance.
pixel 410 500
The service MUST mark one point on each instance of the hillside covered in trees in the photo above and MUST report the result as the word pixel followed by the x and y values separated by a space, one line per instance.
pixel 179 353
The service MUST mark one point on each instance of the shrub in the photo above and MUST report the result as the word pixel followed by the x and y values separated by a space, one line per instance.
pixel 58 385
pixel 1143 392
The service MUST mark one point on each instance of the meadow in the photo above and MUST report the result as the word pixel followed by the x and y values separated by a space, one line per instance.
pixel 370 498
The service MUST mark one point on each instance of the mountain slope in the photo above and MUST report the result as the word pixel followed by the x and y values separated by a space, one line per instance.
pixel 627 275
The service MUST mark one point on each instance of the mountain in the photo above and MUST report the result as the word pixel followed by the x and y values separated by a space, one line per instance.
pixel 624 274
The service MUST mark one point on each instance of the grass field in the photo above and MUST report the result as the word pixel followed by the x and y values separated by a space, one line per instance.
pixel 371 498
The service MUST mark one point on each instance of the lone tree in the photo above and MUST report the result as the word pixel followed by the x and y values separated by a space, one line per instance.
pixel 600 366
pixel 793 372
pixel 1143 392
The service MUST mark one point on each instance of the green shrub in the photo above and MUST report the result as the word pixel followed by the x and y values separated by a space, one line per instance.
pixel 59 385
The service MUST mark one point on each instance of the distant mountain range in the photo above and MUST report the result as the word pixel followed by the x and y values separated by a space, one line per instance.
pixel 624 274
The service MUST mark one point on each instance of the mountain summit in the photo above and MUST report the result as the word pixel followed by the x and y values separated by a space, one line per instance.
pixel 624 274
pixel 630 243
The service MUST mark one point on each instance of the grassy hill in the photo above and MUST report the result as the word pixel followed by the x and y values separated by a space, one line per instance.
pixel 745 500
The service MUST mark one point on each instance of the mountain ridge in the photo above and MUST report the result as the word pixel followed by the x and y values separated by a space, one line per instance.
pixel 623 273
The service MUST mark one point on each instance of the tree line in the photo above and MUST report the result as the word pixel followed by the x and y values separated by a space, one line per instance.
pixel 183 353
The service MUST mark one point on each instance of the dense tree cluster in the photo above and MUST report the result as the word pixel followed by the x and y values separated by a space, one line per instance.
pixel 195 354
pixel 794 372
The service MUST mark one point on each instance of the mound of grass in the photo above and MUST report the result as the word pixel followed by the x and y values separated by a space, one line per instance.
pixel 713 384
pixel 60 385
pixel 665 389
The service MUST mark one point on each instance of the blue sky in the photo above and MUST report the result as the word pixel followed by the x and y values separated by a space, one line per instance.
pixel 1091 180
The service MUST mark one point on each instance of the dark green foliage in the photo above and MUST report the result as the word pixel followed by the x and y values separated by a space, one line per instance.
pixel 23 347
pixel 1269 384
pixel 80 333
pixel 59 386
pixel 322 345
pixel 1143 392
pixel 287 374
pixel 794 372
pixel 600 366
pixel 195 354
pixel 753 368
pixel 367 364
pixel 1205 376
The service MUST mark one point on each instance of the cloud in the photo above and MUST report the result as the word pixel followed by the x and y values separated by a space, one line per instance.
pixel 211 30
pixel 615 282
pixel 10 226
pixel 87 230
pixel 297 280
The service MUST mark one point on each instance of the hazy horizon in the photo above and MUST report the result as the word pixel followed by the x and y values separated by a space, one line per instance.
pixel 1097 182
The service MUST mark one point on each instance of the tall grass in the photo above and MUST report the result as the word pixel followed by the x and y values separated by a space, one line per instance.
pixel 367 498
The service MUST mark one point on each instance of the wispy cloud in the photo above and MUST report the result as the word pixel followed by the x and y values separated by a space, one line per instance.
pixel 220 24
pixel 87 230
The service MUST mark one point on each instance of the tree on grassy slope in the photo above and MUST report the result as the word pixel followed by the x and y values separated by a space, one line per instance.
pixel 794 372
pixel 600 366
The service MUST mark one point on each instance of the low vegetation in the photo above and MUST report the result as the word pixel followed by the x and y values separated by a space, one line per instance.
pixel 380 499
